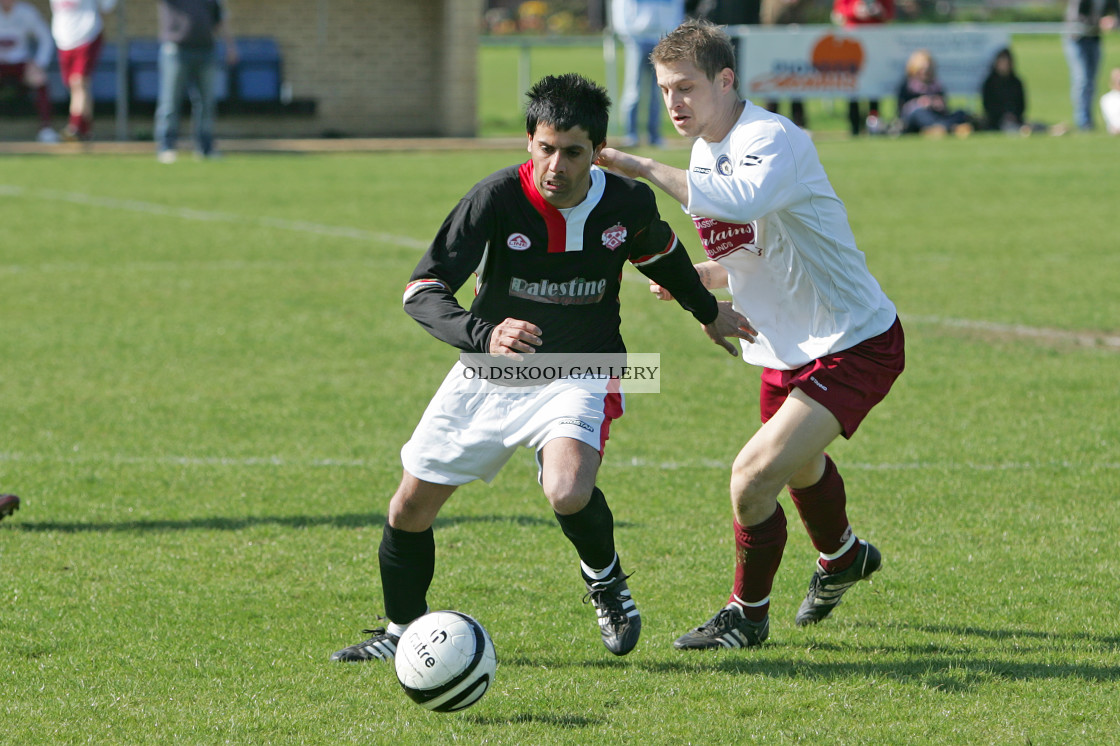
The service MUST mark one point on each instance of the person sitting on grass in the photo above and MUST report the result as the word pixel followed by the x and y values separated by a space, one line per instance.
pixel 1005 100
pixel 922 105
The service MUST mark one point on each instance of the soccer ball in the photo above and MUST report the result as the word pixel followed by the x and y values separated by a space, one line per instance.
pixel 445 661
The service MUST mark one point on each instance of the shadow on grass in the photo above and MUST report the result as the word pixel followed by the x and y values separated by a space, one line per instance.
pixel 554 720
pixel 948 668
pixel 998 634
pixel 217 523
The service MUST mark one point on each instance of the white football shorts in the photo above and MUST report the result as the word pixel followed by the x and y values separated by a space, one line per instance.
pixel 471 428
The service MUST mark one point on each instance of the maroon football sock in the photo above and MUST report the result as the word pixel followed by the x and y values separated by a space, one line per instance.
pixel 758 552
pixel 822 507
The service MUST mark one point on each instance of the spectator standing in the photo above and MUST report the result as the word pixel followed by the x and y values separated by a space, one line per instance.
pixel 21 25
pixel 77 26
pixel 188 34
pixel 641 24
pixel 1086 20
pixel 853 14
pixel 1110 104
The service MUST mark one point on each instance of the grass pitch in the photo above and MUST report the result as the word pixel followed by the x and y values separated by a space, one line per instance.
pixel 207 376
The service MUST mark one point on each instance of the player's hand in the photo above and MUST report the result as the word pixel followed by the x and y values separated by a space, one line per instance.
pixel 33 75
pixel 619 162
pixel 729 323
pixel 513 337
pixel 660 292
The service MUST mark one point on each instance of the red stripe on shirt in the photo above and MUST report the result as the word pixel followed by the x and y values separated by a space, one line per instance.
pixel 644 259
pixel 553 220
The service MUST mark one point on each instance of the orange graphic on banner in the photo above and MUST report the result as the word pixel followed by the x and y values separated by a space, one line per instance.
pixel 835 64
pixel 835 54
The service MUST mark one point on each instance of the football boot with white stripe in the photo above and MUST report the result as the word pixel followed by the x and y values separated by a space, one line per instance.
pixel 382 646
pixel 825 590
pixel 619 621
pixel 729 628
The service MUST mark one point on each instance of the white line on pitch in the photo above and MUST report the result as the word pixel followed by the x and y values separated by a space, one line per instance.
pixel 1087 339
pixel 212 216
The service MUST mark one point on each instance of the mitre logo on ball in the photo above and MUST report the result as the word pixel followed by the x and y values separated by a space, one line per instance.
pixel 445 661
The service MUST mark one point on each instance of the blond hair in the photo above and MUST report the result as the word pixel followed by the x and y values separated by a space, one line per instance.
pixel 918 59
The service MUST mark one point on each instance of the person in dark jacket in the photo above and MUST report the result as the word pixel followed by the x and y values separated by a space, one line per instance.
pixel 1003 95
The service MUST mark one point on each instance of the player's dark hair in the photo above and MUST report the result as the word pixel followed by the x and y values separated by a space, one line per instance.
pixel 698 41
pixel 567 101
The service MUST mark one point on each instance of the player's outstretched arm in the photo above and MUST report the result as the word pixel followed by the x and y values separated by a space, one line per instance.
pixel 729 323
pixel 672 181
pixel 712 275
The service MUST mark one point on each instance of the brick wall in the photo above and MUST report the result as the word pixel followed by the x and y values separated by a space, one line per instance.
pixel 376 68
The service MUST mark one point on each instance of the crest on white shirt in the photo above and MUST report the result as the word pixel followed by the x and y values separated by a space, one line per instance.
pixel 723 165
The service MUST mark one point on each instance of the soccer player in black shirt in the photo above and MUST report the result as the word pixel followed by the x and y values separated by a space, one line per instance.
pixel 548 241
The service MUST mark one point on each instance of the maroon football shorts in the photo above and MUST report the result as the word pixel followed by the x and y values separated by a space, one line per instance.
pixel 847 383
pixel 79 60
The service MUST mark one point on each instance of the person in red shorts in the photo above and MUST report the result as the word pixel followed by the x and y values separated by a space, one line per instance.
pixel 25 53
pixel 828 338
pixel 77 29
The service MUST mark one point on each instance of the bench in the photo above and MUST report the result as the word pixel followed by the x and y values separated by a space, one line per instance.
pixel 253 86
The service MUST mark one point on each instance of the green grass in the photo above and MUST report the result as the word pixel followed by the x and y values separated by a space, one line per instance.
pixel 207 376
pixel 1038 59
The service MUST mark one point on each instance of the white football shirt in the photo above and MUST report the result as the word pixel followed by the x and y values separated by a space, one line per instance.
pixel 17 28
pixel 77 22
pixel 767 213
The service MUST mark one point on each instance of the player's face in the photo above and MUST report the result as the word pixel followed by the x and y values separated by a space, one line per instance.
pixel 562 164
pixel 697 106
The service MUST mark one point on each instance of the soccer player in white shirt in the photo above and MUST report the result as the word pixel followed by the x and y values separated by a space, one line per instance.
pixel 20 25
pixel 77 29
pixel 829 340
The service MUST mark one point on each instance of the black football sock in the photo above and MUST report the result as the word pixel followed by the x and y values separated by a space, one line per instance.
pixel 591 531
pixel 408 563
